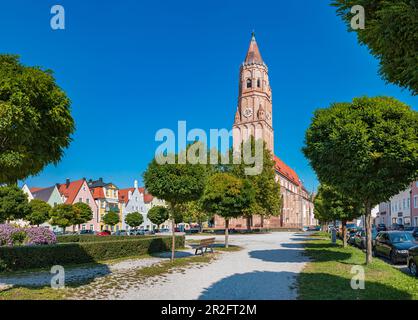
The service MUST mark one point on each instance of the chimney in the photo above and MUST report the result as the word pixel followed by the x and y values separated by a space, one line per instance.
pixel 101 180
pixel 67 182
pixel 136 184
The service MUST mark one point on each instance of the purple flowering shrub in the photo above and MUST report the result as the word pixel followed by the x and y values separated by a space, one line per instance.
pixel 39 236
pixel 12 236
pixel 7 234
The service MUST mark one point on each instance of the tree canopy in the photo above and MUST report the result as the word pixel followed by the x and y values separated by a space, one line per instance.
pixel 391 34
pixel 158 215
pixel 267 199
pixel 111 218
pixel 227 196
pixel 134 219
pixel 62 216
pixel 38 213
pixel 14 203
pixel 82 213
pixel 35 120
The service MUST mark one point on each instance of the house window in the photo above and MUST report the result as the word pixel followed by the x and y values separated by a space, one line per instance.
pixel 87 200
pixel 80 199
pixel 249 83
pixel 84 227
pixel 416 202
pixel 91 227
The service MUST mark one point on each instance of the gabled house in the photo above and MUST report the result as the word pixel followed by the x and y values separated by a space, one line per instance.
pixel 78 191
pixel 106 198
pixel 50 195
pixel 137 200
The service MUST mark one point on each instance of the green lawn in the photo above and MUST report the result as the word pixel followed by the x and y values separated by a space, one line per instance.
pixel 328 276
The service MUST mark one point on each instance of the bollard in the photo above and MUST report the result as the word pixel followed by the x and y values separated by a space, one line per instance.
pixel 334 235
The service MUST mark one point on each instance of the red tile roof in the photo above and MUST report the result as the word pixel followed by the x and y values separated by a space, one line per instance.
pixel 124 194
pixel 148 198
pixel 97 193
pixel 71 191
pixel 286 171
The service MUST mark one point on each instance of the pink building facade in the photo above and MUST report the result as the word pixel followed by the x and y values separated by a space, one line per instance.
pixel 414 204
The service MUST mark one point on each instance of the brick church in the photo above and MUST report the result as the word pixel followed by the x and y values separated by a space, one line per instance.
pixel 254 117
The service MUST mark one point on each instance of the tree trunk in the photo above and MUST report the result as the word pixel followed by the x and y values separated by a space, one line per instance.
pixel 368 223
pixel 226 233
pixel 344 233
pixel 173 241
pixel 262 221
pixel 249 223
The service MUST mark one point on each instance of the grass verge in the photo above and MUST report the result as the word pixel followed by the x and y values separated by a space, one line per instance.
pixel 328 276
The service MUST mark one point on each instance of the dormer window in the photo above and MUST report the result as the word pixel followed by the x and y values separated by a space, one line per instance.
pixel 249 84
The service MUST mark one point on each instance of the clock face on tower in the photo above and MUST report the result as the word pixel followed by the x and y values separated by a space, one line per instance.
pixel 248 112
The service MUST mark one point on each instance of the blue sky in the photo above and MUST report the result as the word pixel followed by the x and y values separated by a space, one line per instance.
pixel 133 67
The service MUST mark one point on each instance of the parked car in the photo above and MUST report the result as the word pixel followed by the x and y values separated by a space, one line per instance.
pixel 351 238
pixel 120 233
pixel 104 233
pixel 412 261
pixel 397 227
pixel 394 245
pixel 86 232
pixel 136 232
pixel 360 238
pixel 414 231
pixel 381 227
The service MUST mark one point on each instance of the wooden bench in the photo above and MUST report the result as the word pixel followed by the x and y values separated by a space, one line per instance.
pixel 204 245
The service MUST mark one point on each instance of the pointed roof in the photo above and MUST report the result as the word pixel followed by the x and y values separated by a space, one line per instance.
pixel 70 190
pixel 42 193
pixel 253 54
pixel 123 194
pixel 286 171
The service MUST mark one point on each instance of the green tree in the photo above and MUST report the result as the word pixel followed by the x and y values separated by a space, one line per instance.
pixel 367 149
pixel 134 219
pixel 13 203
pixel 337 206
pixel 62 216
pixel 111 218
pixel 82 213
pixel 267 200
pixel 391 34
pixel 158 215
pixel 228 197
pixel 35 120
pixel 176 183
pixel 38 213
pixel 194 213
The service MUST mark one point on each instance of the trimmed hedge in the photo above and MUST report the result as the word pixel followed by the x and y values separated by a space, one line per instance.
pixel 75 238
pixel 30 257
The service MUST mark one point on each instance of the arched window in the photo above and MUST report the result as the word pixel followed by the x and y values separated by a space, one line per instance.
pixel 249 83
pixel 258 83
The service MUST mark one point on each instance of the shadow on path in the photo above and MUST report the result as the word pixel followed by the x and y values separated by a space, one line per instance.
pixel 278 255
pixel 257 285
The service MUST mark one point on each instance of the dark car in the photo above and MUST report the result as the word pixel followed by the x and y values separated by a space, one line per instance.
pixel 394 245
pixel 86 232
pixel 360 238
pixel 351 238
pixel 397 227
pixel 413 261
pixel 381 227
pixel 414 231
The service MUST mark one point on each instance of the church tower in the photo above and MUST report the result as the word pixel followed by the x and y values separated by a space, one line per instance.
pixel 254 112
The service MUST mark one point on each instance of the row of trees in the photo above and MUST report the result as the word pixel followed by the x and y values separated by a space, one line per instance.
pixel 363 152
pixel 198 191
pixel 14 205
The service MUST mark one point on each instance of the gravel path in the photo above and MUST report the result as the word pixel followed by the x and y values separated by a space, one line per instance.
pixel 265 269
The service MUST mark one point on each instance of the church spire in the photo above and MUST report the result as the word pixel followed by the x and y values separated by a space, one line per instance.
pixel 253 54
